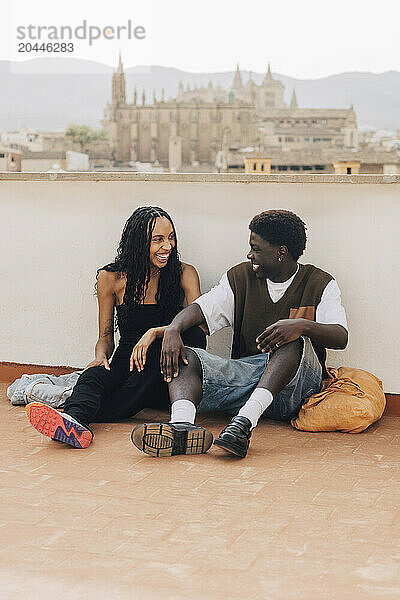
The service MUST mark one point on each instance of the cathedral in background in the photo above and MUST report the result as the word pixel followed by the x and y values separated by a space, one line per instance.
pixel 212 128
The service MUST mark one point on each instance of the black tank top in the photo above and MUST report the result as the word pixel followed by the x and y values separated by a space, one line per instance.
pixel 140 319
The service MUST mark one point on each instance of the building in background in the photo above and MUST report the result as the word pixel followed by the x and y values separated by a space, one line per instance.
pixel 55 150
pixel 320 161
pixel 200 123
pixel 10 159
pixel 187 132
pixel 32 140
pixel 245 127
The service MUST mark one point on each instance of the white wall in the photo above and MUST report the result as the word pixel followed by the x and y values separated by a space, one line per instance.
pixel 55 234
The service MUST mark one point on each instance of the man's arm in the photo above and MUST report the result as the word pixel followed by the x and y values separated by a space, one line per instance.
pixel 329 336
pixel 213 311
pixel 172 346
pixel 328 330
pixel 288 330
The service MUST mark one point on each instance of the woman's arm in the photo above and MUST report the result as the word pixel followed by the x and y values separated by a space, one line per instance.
pixel 106 299
pixel 191 286
pixel 190 283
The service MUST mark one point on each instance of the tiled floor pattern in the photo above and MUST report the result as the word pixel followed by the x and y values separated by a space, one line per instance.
pixel 303 517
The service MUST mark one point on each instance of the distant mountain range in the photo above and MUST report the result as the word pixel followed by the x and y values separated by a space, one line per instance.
pixel 51 93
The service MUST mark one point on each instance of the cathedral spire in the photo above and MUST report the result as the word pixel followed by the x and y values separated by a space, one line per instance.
pixel 269 74
pixel 237 80
pixel 293 102
pixel 118 84
pixel 135 96
pixel 120 69
pixel 143 97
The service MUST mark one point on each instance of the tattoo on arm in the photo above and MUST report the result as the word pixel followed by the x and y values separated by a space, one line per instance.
pixel 108 330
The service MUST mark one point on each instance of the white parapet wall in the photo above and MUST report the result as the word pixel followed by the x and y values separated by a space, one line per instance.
pixel 57 229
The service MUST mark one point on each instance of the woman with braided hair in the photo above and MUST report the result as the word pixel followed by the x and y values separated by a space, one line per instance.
pixel 146 286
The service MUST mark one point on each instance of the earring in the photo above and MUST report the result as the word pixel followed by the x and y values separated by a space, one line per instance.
pixel 280 258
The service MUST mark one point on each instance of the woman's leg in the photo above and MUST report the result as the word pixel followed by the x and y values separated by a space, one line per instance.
pixel 146 389
pixel 195 337
pixel 104 396
pixel 91 389
pixel 72 426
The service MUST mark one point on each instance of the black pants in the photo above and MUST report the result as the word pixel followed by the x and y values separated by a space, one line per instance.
pixel 104 396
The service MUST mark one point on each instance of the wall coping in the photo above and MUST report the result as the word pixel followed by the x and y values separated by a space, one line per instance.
pixel 123 176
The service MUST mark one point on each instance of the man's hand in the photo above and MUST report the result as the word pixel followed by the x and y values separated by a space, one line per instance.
pixel 280 333
pixel 172 348
pixel 139 352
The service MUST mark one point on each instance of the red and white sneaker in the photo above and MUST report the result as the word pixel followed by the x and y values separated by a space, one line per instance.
pixel 58 426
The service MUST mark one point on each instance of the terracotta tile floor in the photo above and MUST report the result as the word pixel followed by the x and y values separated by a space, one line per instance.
pixel 304 516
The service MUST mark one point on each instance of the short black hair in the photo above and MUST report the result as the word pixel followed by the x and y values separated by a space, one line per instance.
pixel 281 228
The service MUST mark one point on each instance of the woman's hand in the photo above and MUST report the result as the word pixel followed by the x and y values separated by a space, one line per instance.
pixel 100 361
pixel 139 352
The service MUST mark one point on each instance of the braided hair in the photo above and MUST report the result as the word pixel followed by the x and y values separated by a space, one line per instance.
pixel 133 259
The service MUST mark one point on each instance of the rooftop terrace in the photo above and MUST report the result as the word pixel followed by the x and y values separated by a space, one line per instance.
pixel 304 516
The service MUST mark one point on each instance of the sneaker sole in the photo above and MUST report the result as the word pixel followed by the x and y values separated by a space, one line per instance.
pixel 161 440
pixel 236 451
pixel 51 423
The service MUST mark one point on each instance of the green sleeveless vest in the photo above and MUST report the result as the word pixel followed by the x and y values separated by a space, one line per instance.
pixel 254 309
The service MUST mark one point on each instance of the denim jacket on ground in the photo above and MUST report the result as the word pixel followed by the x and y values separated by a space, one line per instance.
pixel 49 389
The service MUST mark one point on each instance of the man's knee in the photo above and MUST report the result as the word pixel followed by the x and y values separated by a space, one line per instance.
pixel 193 360
pixel 294 349
pixel 286 355
pixel 192 369
pixel 296 345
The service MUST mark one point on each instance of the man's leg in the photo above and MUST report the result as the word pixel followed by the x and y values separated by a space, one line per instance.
pixel 280 370
pixel 185 391
pixel 180 436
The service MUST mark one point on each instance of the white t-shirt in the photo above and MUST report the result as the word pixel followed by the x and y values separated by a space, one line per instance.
pixel 218 304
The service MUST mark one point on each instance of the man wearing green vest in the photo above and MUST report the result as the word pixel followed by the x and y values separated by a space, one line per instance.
pixel 284 315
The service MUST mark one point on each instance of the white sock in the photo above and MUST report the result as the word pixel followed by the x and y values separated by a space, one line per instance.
pixel 183 411
pixel 259 400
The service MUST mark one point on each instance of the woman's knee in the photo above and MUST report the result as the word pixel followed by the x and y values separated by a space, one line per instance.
pixel 194 337
pixel 93 374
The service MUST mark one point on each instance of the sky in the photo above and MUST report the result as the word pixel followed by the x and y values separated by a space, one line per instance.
pixel 307 39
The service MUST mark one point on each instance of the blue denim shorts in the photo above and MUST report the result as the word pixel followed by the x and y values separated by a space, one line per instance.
pixel 228 383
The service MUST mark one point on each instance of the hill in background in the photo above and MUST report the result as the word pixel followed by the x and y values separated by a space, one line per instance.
pixel 51 93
